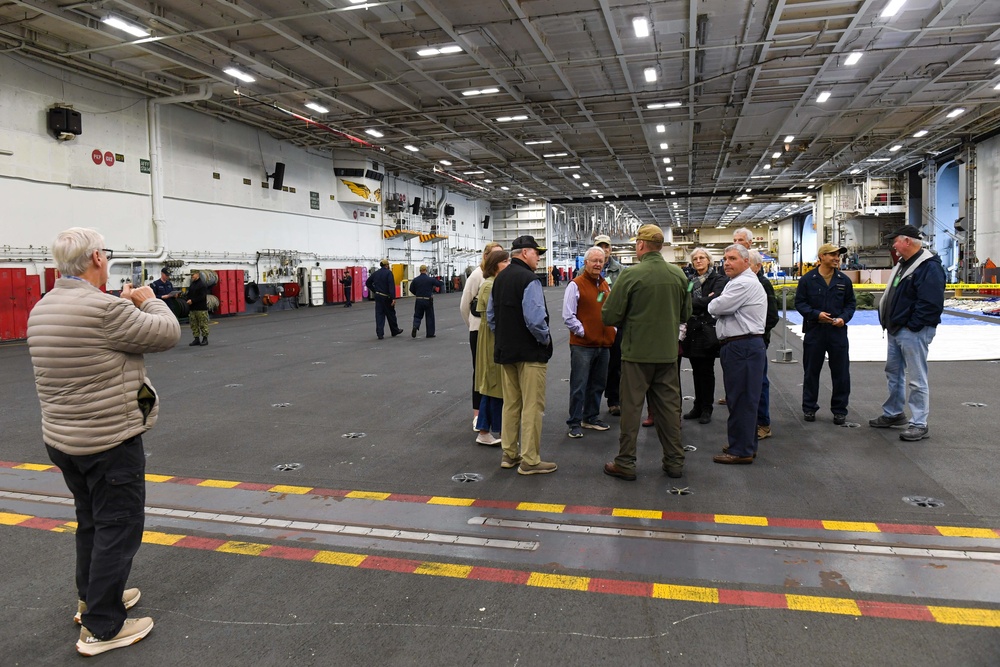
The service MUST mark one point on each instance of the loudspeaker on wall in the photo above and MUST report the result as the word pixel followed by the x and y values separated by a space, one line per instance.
pixel 486 222
pixel 415 206
pixel 278 176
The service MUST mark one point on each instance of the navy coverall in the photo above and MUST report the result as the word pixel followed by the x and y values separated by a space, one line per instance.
pixel 813 297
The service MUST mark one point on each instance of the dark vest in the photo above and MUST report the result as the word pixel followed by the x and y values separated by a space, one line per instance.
pixel 514 343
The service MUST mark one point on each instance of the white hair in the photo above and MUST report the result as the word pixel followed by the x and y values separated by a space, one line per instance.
pixel 73 247
pixel 741 250
pixel 594 250
pixel 745 233
pixel 755 258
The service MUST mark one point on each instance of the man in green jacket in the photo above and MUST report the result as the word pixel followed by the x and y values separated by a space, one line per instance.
pixel 649 300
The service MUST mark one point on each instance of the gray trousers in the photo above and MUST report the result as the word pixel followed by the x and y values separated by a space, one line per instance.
pixel 660 385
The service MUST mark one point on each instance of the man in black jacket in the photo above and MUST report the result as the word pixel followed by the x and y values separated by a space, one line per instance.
pixel 382 285
pixel 197 298
pixel 910 311
pixel 517 314
pixel 347 281
pixel 825 299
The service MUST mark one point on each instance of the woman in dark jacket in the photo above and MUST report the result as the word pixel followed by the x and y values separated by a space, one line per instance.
pixel 701 345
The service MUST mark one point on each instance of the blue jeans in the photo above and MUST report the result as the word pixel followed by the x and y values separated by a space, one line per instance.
pixel 588 375
pixel 764 404
pixel 907 353
pixel 743 364
pixel 490 414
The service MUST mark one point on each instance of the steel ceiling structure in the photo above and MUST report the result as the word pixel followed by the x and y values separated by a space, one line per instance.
pixel 561 99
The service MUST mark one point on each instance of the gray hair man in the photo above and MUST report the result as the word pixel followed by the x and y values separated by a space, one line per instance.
pixel 86 348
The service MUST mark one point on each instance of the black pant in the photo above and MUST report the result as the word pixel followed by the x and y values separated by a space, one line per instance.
pixel 703 370
pixel 384 310
pixel 424 307
pixel 477 398
pixel 611 391
pixel 109 491
pixel 819 342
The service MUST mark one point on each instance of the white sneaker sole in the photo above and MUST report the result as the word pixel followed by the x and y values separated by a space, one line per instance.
pixel 595 427
pixel 98 648
pixel 128 605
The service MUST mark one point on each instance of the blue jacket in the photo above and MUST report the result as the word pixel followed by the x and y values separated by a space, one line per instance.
pixel 423 285
pixel 915 296
pixel 813 296
pixel 382 284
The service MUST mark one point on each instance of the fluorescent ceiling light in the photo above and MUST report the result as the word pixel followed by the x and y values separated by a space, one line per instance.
pixel 576 176
pixel 920 133
pixel 661 128
pixel 481 91
pixel 641 26
pixel 576 166
pixel 663 105
pixel 441 50
pixel 507 119
pixel 664 146
pixel 853 58
pixel 896 148
pixel 239 74
pixel 997 62
pixel 520 194
pixel 666 160
pixel 764 176
pixel 411 148
pixel 855 171
pixel 586 185
pixel 549 155
pixel 824 96
pixel 538 143
pixel 775 155
pixel 318 108
pixel 594 191
pixel 504 187
pixel 668 169
pixel 811 180
pixel 473 173
pixel 790 138
pixel 374 133
pixel 451 49
pixel 893 7
pixel 446 163
pixel 487 180
pixel 767 166
pixel 955 113
pixel 650 74
pixel 670 178
pixel 122 24
pixel 878 159
pixel 997 87
pixel 672 105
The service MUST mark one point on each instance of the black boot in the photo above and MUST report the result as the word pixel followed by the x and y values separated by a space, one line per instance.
pixel 204 341
pixel 706 416
pixel 693 414
pixel 196 341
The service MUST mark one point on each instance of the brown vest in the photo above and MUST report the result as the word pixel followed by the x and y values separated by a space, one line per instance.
pixel 588 311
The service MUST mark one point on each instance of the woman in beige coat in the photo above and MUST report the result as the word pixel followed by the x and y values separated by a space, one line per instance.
pixel 472 285
pixel 488 378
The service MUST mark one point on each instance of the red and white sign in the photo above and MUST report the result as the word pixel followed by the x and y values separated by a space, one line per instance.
pixel 109 158
pixel 97 156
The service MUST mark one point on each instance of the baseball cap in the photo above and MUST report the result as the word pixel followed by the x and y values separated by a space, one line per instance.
pixel 650 233
pixel 527 242
pixel 602 238
pixel 905 230
pixel 423 267
pixel 165 270
pixel 827 248
pixel 384 262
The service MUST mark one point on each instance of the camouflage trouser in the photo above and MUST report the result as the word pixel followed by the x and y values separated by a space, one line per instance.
pixel 199 323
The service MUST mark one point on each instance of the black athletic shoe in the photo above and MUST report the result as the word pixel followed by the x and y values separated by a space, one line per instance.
pixel 413 332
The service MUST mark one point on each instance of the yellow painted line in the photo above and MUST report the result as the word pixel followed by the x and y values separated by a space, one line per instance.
pixel 741 520
pixel 339 558
pixel 9 519
pixel 34 466
pixel 446 500
pixel 68 527
pixel 218 483
pixel 166 539
pixel 852 526
pixel 243 548
pixel 692 593
pixel 158 478
pixel 444 570
pixel 541 507
pixel 951 531
pixel 987 618
pixel 296 490
pixel 558 581
pixel 637 514
pixel 368 495
pixel 823 605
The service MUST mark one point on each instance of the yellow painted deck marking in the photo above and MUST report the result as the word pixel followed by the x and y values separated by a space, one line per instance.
pixel 444 570
pixel 368 495
pixel 637 514
pixel 823 605
pixel 34 466
pixel 294 490
pixel 338 558
pixel 951 531
pixel 9 519
pixel 741 520
pixel 541 507
pixel 988 618
pixel 218 483
pixel 852 526
pixel 158 478
pixel 692 593
pixel 166 539
pixel 447 500
pixel 559 581
pixel 243 548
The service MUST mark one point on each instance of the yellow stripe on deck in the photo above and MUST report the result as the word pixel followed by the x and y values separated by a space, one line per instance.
pixel 823 605
pixel 558 581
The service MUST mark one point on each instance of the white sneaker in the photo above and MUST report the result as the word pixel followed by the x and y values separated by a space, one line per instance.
pixel 129 597
pixel 475 420
pixel 488 439
pixel 133 630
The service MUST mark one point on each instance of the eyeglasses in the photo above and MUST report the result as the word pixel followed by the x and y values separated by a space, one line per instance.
pixel 108 253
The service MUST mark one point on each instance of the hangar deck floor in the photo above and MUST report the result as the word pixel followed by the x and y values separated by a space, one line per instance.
pixel 369 553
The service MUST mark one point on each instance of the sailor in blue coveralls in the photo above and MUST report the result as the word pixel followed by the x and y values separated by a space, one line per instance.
pixel 422 287
pixel 382 286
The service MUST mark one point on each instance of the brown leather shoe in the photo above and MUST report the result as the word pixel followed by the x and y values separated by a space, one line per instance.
pixel 613 470
pixel 725 450
pixel 648 421
pixel 730 459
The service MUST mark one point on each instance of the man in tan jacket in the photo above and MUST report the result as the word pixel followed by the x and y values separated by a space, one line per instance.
pixel 86 347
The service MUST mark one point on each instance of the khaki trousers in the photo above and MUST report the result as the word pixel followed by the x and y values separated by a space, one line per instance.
pixel 660 385
pixel 523 405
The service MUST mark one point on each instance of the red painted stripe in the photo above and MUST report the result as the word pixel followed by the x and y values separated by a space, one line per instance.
pixel 496 574
pixel 406 498
pixel 797 523
pixel 8 464
pixel 253 486
pixel 390 564
pixel 189 481
pixel 206 543
pixel 588 510
pixel 904 612
pixel 615 587
pixel 330 493
pixel 907 529
pixel 497 504
pixel 688 516
pixel 289 553
pixel 42 523
pixel 753 599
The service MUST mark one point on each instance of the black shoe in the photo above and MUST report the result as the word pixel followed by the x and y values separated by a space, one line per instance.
pixel 432 336
pixel 396 332
pixel 839 420
pixel 706 417
pixel 694 414
pixel 380 337
pixel 196 341
pixel 891 420
pixel 204 341
pixel 673 473
pixel 413 332
pixel 809 416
